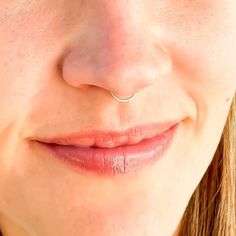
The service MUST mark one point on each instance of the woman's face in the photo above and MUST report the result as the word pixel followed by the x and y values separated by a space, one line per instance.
pixel 60 59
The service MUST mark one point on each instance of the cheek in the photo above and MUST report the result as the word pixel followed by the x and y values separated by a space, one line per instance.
pixel 204 52
pixel 32 37
pixel 206 69
pixel 23 60
pixel 202 47
pixel 200 38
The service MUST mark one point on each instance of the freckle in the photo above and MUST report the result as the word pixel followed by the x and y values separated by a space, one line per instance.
pixel 227 99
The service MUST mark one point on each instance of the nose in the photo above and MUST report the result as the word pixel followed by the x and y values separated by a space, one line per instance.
pixel 118 50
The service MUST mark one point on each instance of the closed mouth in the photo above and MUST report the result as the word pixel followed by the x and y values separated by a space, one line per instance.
pixel 110 139
pixel 110 161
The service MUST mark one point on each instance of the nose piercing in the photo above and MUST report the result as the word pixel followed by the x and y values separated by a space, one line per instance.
pixel 122 99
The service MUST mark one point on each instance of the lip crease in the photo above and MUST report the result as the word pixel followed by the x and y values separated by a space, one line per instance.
pixel 110 139
pixel 111 160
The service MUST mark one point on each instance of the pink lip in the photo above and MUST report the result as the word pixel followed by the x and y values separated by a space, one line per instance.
pixel 111 161
pixel 110 139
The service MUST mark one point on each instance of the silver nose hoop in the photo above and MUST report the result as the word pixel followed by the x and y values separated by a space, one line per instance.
pixel 122 99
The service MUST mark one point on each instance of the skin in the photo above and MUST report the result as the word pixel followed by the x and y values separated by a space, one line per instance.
pixel 60 59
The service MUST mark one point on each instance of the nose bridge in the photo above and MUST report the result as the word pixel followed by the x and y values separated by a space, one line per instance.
pixel 117 52
pixel 120 31
pixel 123 43
pixel 122 19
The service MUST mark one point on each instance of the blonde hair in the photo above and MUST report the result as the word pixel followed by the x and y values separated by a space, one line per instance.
pixel 211 211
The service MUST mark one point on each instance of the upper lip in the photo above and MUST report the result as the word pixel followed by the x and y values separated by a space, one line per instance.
pixel 109 139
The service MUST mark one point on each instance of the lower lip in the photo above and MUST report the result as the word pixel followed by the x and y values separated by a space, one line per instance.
pixel 112 161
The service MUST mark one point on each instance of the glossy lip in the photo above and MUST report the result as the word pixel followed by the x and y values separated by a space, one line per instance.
pixel 110 139
pixel 111 161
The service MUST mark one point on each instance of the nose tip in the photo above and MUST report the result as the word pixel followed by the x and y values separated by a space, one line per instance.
pixel 130 74
pixel 123 73
pixel 122 59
